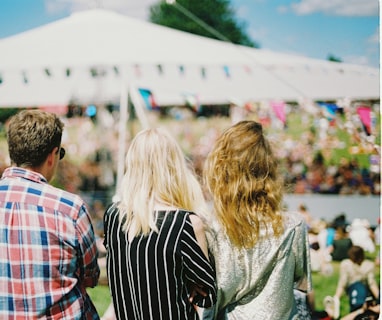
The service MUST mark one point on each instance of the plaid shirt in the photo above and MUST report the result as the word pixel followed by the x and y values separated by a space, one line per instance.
pixel 48 252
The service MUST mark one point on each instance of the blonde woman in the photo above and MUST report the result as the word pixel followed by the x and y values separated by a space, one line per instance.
pixel 156 246
pixel 261 253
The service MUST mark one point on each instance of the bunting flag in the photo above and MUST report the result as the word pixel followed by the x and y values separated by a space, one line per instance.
pixel 137 70
pixel 148 98
pixel 329 109
pixel 203 72
pixel 192 101
pixel 364 114
pixel 160 69
pixel 181 70
pixel 279 109
pixel 227 71
pixel 25 77
pixel 247 69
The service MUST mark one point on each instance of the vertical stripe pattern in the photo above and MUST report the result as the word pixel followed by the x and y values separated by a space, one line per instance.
pixel 150 276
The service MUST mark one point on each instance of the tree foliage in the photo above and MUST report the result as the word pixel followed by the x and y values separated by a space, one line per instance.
pixel 193 16
pixel 333 58
pixel 6 113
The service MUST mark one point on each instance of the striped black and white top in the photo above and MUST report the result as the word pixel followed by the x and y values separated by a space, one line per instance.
pixel 150 277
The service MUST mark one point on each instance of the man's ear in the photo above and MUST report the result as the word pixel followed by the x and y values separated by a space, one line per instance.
pixel 51 156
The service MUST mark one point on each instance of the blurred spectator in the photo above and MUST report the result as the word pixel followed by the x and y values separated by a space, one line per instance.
pixel 377 233
pixel 341 244
pixel 303 210
pixel 357 278
pixel 318 255
pixel 369 311
pixel 304 160
pixel 360 234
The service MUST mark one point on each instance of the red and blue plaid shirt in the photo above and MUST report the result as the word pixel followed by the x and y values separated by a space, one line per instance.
pixel 48 253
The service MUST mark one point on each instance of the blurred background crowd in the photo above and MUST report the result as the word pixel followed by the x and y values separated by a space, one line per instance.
pixel 318 154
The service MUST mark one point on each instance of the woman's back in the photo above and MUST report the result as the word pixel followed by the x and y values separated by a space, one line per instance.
pixel 261 253
pixel 257 283
pixel 150 276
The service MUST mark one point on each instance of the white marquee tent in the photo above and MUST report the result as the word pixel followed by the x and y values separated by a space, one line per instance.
pixel 97 56
pixel 86 58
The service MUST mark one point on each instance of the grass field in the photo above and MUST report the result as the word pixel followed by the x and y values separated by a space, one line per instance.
pixel 101 297
pixel 322 285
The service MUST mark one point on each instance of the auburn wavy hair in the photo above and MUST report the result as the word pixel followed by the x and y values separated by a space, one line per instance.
pixel 241 174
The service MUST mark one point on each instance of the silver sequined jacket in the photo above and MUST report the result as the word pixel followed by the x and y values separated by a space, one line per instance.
pixel 258 283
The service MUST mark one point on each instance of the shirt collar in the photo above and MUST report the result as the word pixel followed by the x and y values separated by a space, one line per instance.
pixel 17 172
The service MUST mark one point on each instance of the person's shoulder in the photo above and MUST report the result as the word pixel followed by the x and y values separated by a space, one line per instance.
pixel 111 210
pixel 346 263
pixel 292 219
pixel 368 264
pixel 196 221
pixel 64 197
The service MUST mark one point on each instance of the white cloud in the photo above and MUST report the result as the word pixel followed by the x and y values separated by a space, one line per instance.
pixel 360 60
pixel 133 8
pixel 282 9
pixel 55 6
pixel 242 12
pixel 371 54
pixel 337 7
pixel 374 38
pixel 259 34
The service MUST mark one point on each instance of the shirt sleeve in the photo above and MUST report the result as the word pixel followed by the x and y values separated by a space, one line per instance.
pixel 198 269
pixel 303 276
pixel 88 254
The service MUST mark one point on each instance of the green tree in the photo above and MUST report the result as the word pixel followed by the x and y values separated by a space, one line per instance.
pixel 333 58
pixel 209 18
pixel 6 113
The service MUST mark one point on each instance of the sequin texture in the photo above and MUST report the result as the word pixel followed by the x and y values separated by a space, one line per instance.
pixel 258 283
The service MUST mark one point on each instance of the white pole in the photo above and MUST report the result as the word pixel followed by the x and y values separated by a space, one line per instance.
pixel 138 106
pixel 123 117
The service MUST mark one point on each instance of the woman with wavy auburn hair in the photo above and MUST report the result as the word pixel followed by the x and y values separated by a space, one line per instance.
pixel 156 247
pixel 261 253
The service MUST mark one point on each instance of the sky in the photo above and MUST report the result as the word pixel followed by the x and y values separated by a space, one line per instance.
pixel 346 29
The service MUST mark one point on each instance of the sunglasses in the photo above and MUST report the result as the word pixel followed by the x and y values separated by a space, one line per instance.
pixel 62 153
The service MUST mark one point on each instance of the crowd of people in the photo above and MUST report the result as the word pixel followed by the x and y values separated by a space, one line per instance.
pixel 166 250
pixel 303 160
pixel 347 243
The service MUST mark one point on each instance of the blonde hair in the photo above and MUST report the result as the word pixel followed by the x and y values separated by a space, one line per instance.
pixel 241 174
pixel 156 171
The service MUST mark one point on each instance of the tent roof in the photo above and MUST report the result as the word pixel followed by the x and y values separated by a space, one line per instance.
pixel 173 64
pixel 100 37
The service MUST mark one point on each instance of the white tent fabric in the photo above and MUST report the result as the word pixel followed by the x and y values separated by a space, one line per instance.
pixel 170 63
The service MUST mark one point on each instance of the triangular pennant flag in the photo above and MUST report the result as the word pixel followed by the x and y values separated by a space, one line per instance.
pixel 148 98
pixel 364 114
pixel 192 101
pixel 279 109
pixel 330 110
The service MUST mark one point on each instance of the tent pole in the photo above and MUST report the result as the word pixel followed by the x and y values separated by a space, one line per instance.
pixel 138 106
pixel 123 118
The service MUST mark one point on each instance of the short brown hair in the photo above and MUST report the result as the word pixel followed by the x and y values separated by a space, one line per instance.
pixel 356 254
pixel 32 135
